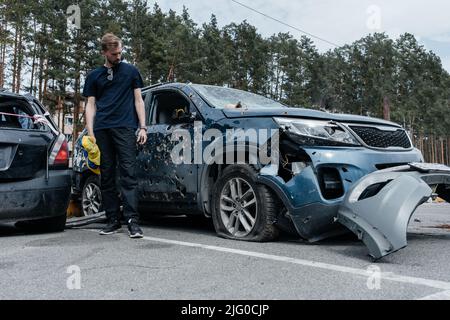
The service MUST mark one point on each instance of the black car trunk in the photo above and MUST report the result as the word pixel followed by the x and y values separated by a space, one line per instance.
pixel 23 144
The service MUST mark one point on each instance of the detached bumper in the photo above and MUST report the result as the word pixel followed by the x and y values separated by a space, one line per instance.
pixel 379 206
pixel 37 198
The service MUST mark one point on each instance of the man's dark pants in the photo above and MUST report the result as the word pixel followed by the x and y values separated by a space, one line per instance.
pixel 118 144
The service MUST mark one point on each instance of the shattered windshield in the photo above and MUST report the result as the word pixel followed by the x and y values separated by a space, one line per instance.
pixel 221 98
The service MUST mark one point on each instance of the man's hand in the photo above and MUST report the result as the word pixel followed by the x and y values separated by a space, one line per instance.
pixel 92 137
pixel 142 136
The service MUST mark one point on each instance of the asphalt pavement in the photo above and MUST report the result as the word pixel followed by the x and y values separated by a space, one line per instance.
pixel 182 258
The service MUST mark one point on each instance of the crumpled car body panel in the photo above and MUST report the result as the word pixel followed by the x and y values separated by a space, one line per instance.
pixel 379 206
pixel 313 215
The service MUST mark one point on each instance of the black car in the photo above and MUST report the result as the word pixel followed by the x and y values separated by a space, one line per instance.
pixel 34 160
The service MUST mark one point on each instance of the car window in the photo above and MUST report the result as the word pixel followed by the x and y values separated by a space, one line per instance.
pixel 16 114
pixel 169 108
pixel 221 98
pixel 44 112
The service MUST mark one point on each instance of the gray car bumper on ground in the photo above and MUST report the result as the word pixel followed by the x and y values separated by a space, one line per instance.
pixel 379 206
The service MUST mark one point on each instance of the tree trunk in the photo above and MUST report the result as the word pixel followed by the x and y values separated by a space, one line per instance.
pixel 45 75
pixel 2 65
pixel 61 110
pixel 58 112
pixel 448 151
pixel 41 76
pixel 386 109
pixel 76 113
pixel 34 58
pixel 15 59
pixel 19 59
pixel 432 149
pixel 41 65
pixel 3 57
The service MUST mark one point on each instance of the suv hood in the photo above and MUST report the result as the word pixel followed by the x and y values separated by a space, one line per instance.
pixel 302 113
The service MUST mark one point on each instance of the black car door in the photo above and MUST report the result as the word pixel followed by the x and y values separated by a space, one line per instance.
pixel 161 181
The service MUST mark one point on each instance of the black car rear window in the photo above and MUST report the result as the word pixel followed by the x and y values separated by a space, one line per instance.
pixel 16 114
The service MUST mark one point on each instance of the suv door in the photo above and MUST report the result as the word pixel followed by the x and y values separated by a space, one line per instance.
pixel 160 179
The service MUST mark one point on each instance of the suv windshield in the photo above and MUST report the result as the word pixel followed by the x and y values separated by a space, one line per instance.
pixel 221 98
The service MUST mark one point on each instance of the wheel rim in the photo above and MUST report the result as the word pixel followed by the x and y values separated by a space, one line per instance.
pixel 92 199
pixel 238 207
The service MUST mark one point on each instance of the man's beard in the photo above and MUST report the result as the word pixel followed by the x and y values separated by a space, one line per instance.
pixel 114 62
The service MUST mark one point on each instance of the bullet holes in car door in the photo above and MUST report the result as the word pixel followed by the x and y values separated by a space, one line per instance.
pixel 164 180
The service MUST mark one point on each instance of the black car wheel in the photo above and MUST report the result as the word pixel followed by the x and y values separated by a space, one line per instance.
pixel 242 208
pixel 91 196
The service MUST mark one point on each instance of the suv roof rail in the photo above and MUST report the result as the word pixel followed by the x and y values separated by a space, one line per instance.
pixel 154 85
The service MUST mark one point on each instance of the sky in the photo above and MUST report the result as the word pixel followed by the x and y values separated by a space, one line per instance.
pixel 337 21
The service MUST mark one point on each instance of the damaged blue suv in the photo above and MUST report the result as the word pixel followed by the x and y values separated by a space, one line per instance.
pixel 195 163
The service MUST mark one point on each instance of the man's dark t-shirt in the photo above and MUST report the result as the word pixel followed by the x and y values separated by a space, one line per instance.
pixel 114 98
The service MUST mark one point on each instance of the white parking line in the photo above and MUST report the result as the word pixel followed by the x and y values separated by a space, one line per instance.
pixel 361 272
pixel 390 276
pixel 444 295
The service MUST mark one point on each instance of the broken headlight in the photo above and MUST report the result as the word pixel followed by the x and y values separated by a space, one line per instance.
pixel 315 132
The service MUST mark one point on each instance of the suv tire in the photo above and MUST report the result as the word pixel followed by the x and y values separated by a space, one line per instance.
pixel 242 208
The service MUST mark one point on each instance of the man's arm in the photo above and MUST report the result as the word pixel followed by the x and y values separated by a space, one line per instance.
pixel 140 110
pixel 91 109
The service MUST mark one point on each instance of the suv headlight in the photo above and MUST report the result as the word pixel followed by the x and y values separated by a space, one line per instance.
pixel 315 132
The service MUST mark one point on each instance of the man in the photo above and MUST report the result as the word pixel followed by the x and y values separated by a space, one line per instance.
pixel 114 111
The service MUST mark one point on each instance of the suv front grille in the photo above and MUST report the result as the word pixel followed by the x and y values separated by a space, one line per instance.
pixel 378 138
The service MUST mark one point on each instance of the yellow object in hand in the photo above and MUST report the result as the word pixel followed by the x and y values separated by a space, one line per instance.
pixel 92 154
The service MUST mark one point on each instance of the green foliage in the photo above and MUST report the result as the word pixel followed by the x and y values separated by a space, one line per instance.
pixel 356 78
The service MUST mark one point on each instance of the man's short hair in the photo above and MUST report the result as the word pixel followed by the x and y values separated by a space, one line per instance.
pixel 110 41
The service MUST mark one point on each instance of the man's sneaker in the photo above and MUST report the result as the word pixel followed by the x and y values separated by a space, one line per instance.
pixel 111 227
pixel 133 229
